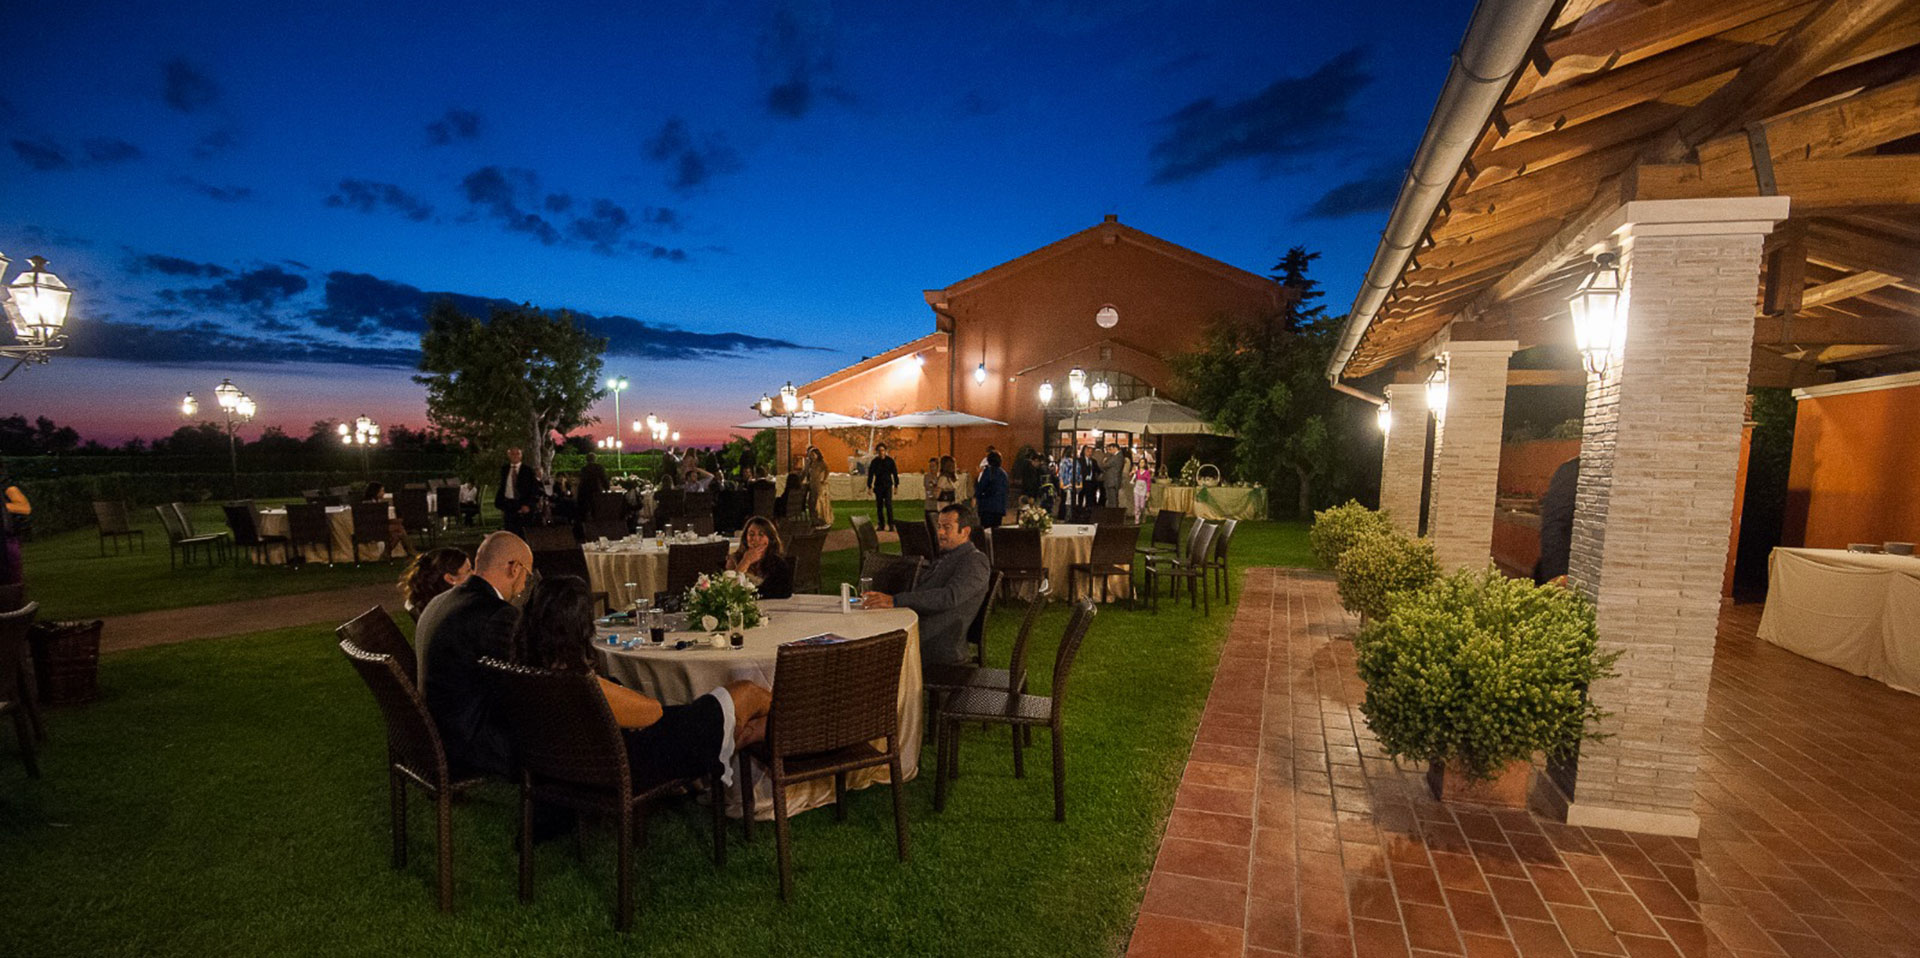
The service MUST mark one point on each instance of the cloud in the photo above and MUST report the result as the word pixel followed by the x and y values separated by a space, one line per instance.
pixel 456 124
pixel 224 194
pixel 796 59
pixel 1293 116
pixel 208 344
pixel 176 266
pixel 253 289
pixel 510 196
pixel 216 142
pixel 43 155
pixel 1372 193
pixel 690 164
pixel 109 149
pixel 974 103
pixel 368 196
pixel 185 88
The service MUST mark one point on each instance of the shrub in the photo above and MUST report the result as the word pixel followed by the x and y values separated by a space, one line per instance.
pixel 1334 529
pixel 1378 568
pixel 1478 670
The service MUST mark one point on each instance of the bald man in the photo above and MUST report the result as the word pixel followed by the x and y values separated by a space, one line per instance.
pixel 457 629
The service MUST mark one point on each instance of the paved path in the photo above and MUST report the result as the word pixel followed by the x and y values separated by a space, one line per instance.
pixel 252 615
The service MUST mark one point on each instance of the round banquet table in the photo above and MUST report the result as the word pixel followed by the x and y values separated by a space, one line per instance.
pixel 273 522
pixel 677 677
pixel 1067 543
pixel 611 567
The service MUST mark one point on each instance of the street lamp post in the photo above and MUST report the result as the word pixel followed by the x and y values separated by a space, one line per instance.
pixel 238 408
pixel 36 306
pixel 364 433
pixel 616 385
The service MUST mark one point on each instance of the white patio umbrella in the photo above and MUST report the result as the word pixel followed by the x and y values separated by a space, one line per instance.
pixel 815 420
pixel 1151 416
pixel 937 418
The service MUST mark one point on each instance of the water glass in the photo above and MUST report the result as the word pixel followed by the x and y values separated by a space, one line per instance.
pixel 736 627
pixel 866 584
pixel 657 625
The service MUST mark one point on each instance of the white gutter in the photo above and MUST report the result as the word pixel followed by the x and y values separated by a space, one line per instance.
pixel 1493 50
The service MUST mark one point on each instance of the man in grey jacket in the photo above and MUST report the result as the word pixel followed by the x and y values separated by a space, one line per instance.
pixel 949 594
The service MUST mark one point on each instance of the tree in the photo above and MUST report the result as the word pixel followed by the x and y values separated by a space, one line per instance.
pixel 513 379
pixel 1266 382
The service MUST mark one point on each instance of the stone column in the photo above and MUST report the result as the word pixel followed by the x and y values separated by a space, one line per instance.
pixel 1659 450
pixel 1403 458
pixel 1466 453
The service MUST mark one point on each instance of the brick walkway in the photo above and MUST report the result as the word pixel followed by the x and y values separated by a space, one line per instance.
pixel 1293 835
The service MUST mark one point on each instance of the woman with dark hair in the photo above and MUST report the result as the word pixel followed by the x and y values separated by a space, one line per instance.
pixel 664 742
pixel 990 493
pixel 431 573
pixel 16 504
pixel 819 496
pixel 761 559
pixel 948 483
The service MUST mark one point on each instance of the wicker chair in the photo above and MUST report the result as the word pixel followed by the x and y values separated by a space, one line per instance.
pixel 892 574
pixel 568 561
pixel 550 538
pixel 1019 710
pixel 446 505
pixel 977 629
pixel 1217 560
pixel 1016 555
pixel 804 551
pixel 374 631
pixel 1109 515
pixel 116 524
pixel 16 690
pixel 1112 554
pixel 942 680
pixel 572 754
pixel 247 535
pixel 1166 534
pixel 1192 567
pixel 915 540
pixel 763 500
pixel 308 527
pixel 593 530
pixel 686 563
pixel 610 507
pixel 183 542
pixel 865 537
pixel 829 705
pixel 698 504
pixel 414 754
pixel 415 514
pixel 371 525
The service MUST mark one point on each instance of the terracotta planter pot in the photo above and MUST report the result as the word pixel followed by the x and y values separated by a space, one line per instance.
pixel 1508 789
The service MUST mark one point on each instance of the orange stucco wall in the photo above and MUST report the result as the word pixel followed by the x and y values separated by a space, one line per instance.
pixel 1855 476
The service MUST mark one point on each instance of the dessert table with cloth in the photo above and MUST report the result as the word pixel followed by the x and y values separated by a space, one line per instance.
pixel 676 677
pixel 1210 502
pixel 273 522
pixel 1855 611
pixel 639 561
pixel 1067 543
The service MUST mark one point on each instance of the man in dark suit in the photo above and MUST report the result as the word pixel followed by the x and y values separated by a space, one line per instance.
pixel 457 629
pixel 518 495
pixel 883 477
pixel 1556 522
pixel 949 594
pixel 593 482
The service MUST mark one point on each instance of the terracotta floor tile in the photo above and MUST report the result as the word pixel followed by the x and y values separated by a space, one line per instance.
pixel 1210 827
pixel 1480 946
pixel 1417 884
pixel 1661 898
pixel 1624 914
pixel 1184 856
pixel 1158 936
pixel 1475 912
pixel 1374 899
pixel 1430 927
pixel 1273 924
pixel 1386 939
pixel 1518 899
pixel 1639 946
pixel 1219 776
pixel 1205 798
pixel 1539 939
pixel 1323 910
pixel 1558 885
pixel 1225 754
pixel 1586 930
pixel 1196 899
pixel 1458 871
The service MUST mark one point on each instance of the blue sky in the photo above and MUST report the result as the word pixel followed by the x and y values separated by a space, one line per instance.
pixel 739 194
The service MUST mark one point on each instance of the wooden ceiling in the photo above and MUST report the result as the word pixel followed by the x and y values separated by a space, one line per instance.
pixel 1638 99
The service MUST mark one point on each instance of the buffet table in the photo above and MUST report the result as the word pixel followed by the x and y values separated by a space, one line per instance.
pixel 676 677
pixel 1854 611
pixel 1210 502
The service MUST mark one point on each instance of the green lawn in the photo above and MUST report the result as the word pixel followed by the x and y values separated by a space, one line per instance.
pixel 226 797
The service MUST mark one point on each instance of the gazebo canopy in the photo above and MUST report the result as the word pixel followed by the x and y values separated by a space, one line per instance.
pixel 1151 416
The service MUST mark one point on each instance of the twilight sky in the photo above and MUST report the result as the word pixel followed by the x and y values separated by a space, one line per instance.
pixel 738 194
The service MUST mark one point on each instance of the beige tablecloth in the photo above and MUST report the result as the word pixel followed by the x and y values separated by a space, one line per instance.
pixel 273 522
pixel 1067 543
pixel 609 569
pixel 848 487
pixel 1210 502
pixel 1853 611
pixel 677 677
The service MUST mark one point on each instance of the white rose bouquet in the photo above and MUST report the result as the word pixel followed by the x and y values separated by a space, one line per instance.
pixel 714 597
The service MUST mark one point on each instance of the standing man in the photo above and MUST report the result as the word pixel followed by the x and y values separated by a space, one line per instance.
pixel 462 625
pixel 949 594
pixel 883 477
pixel 593 482
pixel 1113 469
pixel 990 492
pixel 518 498
pixel 1069 484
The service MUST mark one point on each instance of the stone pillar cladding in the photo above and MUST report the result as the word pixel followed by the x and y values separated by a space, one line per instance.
pixel 1403 457
pixel 1660 447
pixel 1466 454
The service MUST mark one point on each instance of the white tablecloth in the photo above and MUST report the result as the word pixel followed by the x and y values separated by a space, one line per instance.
pixel 1854 611
pixel 609 570
pixel 273 522
pixel 1067 543
pixel 677 677
pixel 845 486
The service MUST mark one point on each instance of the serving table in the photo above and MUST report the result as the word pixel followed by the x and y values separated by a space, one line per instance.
pixel 676 677
pixel 1210 502
pixel 1854 611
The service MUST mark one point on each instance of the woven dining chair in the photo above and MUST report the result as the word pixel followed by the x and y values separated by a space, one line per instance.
pixel 246 532
pixel 804 552
pixel 687 562
pixel 180 540
pixel 415 754
pixel 892 574
pixel 1190 567
pixel 830 704
pixel 375 631
pixel 864 537
pixel 16 690
pixel 549 538
pixel 410 505
pixel 446 505
pixel 1217 558
pixel 1017 556
pixel 1166 534
pixel 1019 710
pixel 593 530
pixel 572 754
pixel 1111 554
pixel 915 540
pixel 943 679
pixel 309 527
pixel 570 561
pixel 116 524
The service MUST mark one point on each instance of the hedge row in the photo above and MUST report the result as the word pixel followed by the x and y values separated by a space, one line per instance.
pixel 67 502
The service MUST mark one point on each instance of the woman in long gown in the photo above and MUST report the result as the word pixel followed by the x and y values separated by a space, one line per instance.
pixel 817 491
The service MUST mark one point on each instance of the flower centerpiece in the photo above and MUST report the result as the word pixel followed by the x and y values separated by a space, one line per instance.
pixel 1190 473
pixel 1034 517
pixel 714 597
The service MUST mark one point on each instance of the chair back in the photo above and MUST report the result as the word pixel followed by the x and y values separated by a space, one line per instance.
pixel 916 541
pixel 411 505
pixel 864 536
pixel 1200 543
pixel 1017 548
pixel 340 492
pixel 550 538
pixel 610 507
pixel 370 521
pixel 1223 538
pixel 686 563
pixel 1077 626
pixel 892 574
pixel 374 631
pixel 1113 545
pixel 698 503
pixel 307 524
pixel 1017 662
pixel 113 518
pixel 763 498
pixel 13 649
pixel 240 520
pixel 977 629
pixel 412 738
pixel 1166 528
pixel 827 697
pixel 701 525
pixel 593 530
pixel 184 517
pixel 1109 515
pixel 804 551
pixel 171 521
pixel 446 502
pixel 560 726
pixel 311 495
pixel 571 560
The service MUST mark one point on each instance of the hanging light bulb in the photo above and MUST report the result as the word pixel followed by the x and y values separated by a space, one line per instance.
pixel 189 406
pixel 980 374
pixel 1437 391
pixel 1383 414
pixel 1046 392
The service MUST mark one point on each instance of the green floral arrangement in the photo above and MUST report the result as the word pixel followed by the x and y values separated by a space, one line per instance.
pixel 1377 569
pixel 1478 671
pixel 1033 517
pixel 1190 472
pixel 714 597
pixel 1337 528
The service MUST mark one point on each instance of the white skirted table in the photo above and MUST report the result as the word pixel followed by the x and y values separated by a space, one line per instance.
pixel 1067 543
pixel 641 562
pixel 1210 502
pixel 273 522
pixel 675 677
pixel 1854 611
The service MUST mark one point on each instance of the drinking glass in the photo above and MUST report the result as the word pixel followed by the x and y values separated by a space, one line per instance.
pixel 736 627
pixel 634 602
pixel 866 584
pixel 657 625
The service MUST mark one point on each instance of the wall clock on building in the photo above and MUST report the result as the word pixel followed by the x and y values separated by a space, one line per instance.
pixel 1107 317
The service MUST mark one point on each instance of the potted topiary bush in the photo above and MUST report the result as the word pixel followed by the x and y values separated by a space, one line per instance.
pixel 1377 568
pixel 1335 529
pixel 1476 673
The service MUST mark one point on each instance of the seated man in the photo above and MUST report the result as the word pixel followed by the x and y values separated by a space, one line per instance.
pixel 457 629
pixel 949 593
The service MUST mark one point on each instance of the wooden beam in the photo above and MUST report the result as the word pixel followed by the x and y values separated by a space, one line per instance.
pixel 1846 288
pixel 1785 276
pixel 1769 368
pixel 1816 186
pixel 1557 107
pixel 1648 32
pixel 1838 128
pixel 1515 155
pixel 1546 377
pixel 1859 249
pixel 1881 329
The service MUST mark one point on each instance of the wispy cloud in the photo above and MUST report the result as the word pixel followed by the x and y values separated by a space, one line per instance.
pixel 254 289
pixel 223 194
pixel 513 198
pixel 1292 117
pixel 45 155
pixel 185 87
pixel 176 266
pixel 796 59
pixel 216 142
pixel 42 155
pixel 369 196
pixel 110 149
pixel 689 164
pixel 1372 192
pixel 207 344
pixel 456 124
